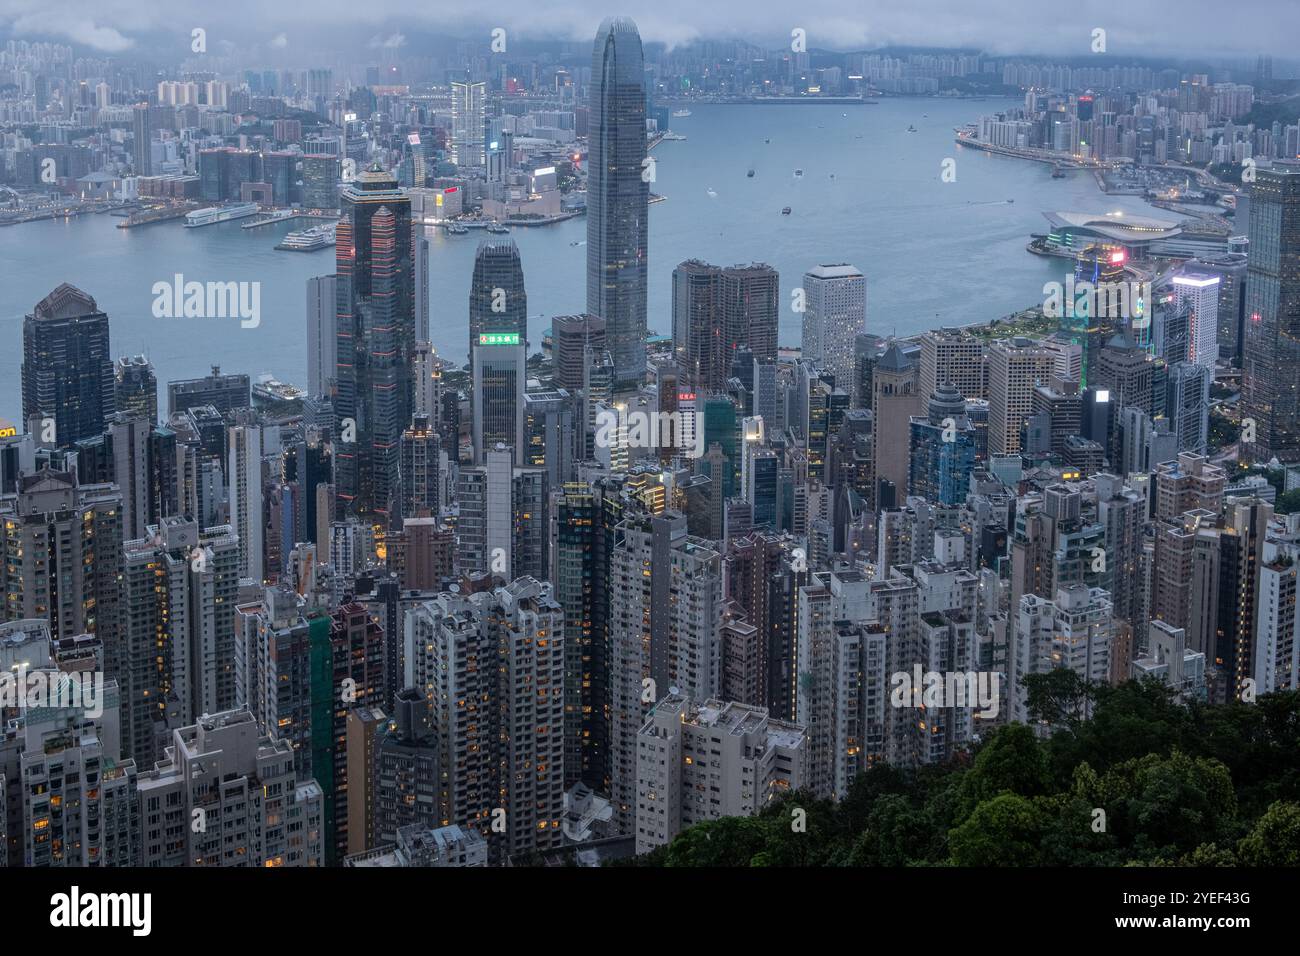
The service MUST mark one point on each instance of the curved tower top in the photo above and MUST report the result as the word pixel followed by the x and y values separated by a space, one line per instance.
pixel 618 196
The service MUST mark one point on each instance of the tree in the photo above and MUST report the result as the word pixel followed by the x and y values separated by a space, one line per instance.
pixel 1275 838
pixel 1004 831
pixel 1012 760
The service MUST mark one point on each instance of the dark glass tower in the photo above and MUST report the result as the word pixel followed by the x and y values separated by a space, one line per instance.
pixel 376 341
pixel 67 366
pixel 497 301
pixel 1271 339
pixel 618 197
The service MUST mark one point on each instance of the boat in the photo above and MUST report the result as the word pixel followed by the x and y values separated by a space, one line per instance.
pixel 750 174
pixel 268 388
pixel 798 174
pixel 497 229
pixel 456 229
pixel 911 129
pixel 767 141
pixel 1058 172
pixel 785 211
pixel 712 193
pixel 214 214
pixel 308 240
pixel 681 113
pixel 1010 201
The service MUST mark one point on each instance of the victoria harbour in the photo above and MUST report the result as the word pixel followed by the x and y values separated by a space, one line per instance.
pixel 870 192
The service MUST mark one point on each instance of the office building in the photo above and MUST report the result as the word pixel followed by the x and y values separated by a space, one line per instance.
pixel 1271 343
pixel 67 373
pixel 618 194
pixel 135 388
pixel 373 392
pixel 499 375
pixel 835 311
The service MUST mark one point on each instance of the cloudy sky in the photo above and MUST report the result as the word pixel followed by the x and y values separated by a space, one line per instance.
pixel 1133 27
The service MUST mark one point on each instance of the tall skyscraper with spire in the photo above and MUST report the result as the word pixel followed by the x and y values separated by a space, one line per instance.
pixel 376 340
pixel 618 194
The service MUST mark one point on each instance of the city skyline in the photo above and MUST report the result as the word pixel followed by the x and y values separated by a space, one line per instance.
pixel 896 468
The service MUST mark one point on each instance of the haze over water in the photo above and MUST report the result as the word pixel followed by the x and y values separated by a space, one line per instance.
pixel 934 253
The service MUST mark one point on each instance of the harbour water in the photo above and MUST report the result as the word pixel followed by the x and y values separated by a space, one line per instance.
pixel 871 194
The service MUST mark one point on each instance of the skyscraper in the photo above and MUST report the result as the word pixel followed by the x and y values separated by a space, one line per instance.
pixel 136 388
pixel 67 366
pixel 322 334
pixel 468 111
pixel 499 372
pixel 376 340
pixel 1199 289
pixel 835 311
pixel 63 557
pixel 178 650
pixel 499 728
pixel 142 135
pixel 1271 346
pixel 618 195
pixel 497 299
pixel 718 311
pixel 666 617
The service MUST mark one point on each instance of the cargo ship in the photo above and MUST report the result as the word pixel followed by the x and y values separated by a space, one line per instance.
pixel 215 214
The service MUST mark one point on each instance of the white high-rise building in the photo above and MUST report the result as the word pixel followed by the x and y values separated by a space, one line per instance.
pixel 1074 631
pixel 227 795
pixel 665 634
pixel 835 311
pixel 1277 626
pixel 1200 290
pixel 699 762
pixel 468 112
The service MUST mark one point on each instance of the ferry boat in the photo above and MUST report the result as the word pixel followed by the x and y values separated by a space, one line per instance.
pixel 456 229
pixel 268 388
pixel 214 214
pixel 785 211
pixel 681 113
pixel 497 229
pixel 798 174
pixel 308 240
